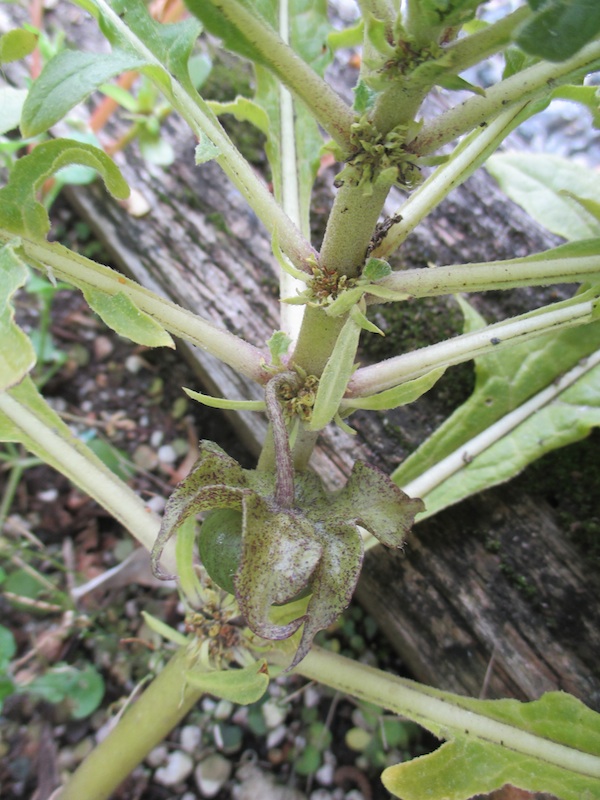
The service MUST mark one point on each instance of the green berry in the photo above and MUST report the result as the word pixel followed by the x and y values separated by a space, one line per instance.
pixel 220 546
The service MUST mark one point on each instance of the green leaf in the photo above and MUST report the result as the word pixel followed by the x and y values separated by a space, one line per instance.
pixel 16 44
pixel 375 269
pixel 206 151
pixel 398 396
pixel 559 28
pixel 82 688
pixel 124 317
pixel 388 513
pixel 20 211
pixel 538 183
pixel 466 766
pixel 522 406
pixel 18 355
pixel 588 96
pixel 335 377
pixel 66 80
pixel 8 647
pixel 279 344
pixel 242 686
pixel 171 43
pixel 223 402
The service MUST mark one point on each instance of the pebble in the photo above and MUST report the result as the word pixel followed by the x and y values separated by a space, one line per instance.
pixel 134 364
pixel 167 454
pixel 212 774
pixel 103 347
pixel 179 765
pixel 156 439
pixel 157 756
pixel 273 714
pixel 145 457
pixel 276 736
pixel 223 710
pixel 48 495
pixel 190 738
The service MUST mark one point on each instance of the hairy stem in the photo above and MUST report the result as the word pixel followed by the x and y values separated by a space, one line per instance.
pixel 494 275
pixel 82 272
pixel 327 107
pixel 529 84
pixel 284 485
pixel 394 371
pixel 144 724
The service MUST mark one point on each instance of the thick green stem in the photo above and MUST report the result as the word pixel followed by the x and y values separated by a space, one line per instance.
pixel 84 273
pixel 442 712
pixel 494 275
pixel 530 84
pixel 394 371
pixel 327 107
pixel 144 725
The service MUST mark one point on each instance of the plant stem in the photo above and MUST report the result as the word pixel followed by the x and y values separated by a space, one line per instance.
pixel 457 460
pixel 327 107
pixel 394 371
pixel 463 162
pixel 532 83
pixel 204 123
pixel 473 49
pixel 143 725
pixel 442 712
pixel 68 455
pixel 84 273
pixel 493 275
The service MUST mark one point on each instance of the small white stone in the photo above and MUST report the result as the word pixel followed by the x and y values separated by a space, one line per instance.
pixel 156 503
pixel 223 710
pixel 48 495
pixel 312 696
pixel 273 714
pixel 276 736
pixel 167 454
pixel 179 765
pixel 320 794
pixel 157 756
pixel 212 774
pixel 189 796
pixel 134 363
pixel 156 439
pixel 190 738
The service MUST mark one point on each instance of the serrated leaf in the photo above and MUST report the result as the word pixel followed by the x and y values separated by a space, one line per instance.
pixel 20 211
pixel 16 44
pixel 552 756
pixel 398 396
pixel 66 80
pixel 125 318
pixel 242 686
pixel 559 28
pixel 537 182
pixel 495 434
pixel 18 355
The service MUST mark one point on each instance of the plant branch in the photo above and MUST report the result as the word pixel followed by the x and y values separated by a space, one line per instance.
pixel 327 107
pixel 457 460
pixel 204 123
pixel 494 275
pixel 530 84
pixel 462 163
pixel 437 710
pixel 471 50
pixel 144 724
pixel 394 371
pixel 69 457
pixel 84 273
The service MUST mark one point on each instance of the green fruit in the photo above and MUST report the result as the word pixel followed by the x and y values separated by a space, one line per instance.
pixel 220 546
